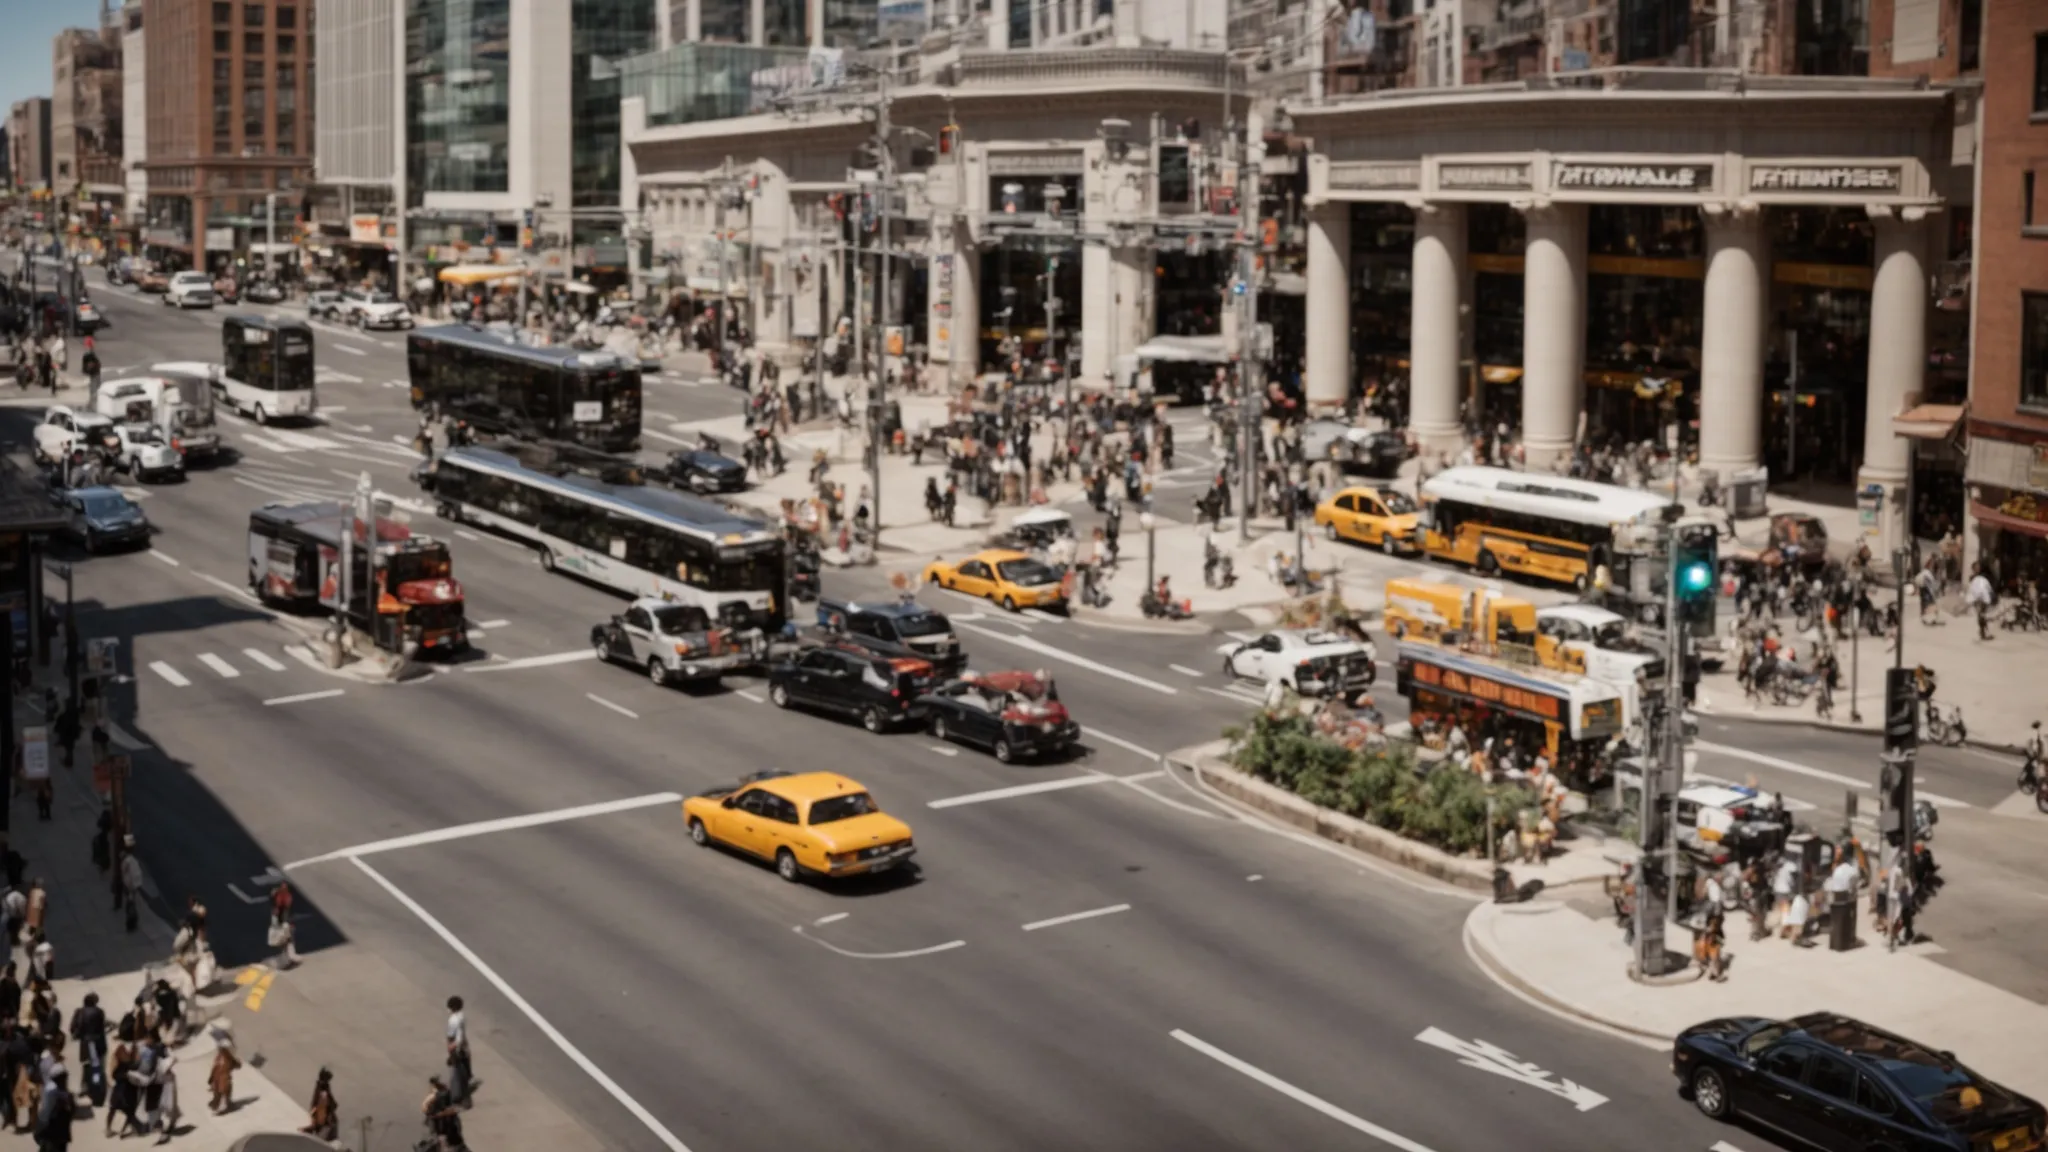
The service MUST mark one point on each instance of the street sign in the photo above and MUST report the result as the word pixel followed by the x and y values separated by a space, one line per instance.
pixel 35 753
pixel 102 655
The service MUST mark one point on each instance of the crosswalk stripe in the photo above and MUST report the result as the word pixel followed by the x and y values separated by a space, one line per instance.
pixel 226 670
pixel 263 659
pixel 171 674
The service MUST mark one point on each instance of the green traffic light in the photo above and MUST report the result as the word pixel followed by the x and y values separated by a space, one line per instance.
pixel 1696 577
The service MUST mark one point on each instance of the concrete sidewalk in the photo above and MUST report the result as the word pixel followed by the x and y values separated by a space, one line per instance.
pixel 1576 964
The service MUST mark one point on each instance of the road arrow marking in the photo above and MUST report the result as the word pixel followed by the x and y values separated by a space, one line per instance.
pixel 1501 1062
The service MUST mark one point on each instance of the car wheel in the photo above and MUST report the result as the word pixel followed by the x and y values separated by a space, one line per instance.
pixel 656 674
pixel 448 512
pixel 699 835
pixel 787 867
pixel 1009 604
pixel 779 694
pixel 1710 1093
pixel 939 728
pixel 1330 531
pixel 1390 544
pixel 597 644
pixel 871 718
pixel 262 417
pixel 547 559
pixel 1004 753
pixel 1229 668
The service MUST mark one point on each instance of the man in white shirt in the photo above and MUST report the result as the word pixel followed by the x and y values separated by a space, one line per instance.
pixel 1980 598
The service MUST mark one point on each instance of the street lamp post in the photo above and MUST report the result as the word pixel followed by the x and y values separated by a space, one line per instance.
pixel 1146 521
pixel 1053 194
pixel 1902 570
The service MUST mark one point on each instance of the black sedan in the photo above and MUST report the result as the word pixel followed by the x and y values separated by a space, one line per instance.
pixel 1834 1083
pixel 1015 715
pixel 703 470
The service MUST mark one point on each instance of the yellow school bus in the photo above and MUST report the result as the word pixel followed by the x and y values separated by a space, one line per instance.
pixel 1529 524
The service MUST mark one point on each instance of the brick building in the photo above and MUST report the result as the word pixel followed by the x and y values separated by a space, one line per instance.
pixel 230 123
pixel 85 114
pixel 28 144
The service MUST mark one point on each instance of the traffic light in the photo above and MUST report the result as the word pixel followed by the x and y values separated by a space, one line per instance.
pixel 1695 566
pixel 1901 711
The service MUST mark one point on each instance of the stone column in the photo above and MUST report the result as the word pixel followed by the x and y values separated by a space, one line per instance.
pixel 954 333
pixel 1098 312
pixel 1553 331
pixel 1898 360
pixel 1438 279
pixel 1732 339
pixel 1328 315
pixel 1131 285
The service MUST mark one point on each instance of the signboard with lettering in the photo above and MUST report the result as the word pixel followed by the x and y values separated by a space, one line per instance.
pixel 1035 163
pixel 1368 176
pixel 35 752
pixel 1482 177
pixel 1825 177
pixel 1686 178
pixel 1513 698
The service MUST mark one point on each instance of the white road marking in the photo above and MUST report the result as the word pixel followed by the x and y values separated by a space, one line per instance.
pixel 1299 1095
pixel 622 710
pixel 1243 695
pixel 904 955
pixel 942 750
pixel 394 384
pixel 645 431
pixel 1254 878
pixel 217 582
pixel 489 624
pixel 1723 1146
pixel 1016 790
pixel 325 412
pixel 1126 745
pixel 351 349
pixel 330 375
pixel 1070 917
pixel 171 674
pixel 1079 661
pixel 302 697
pixel 1242 637
pixel 358 457
pixel 263 659
pixel 124 739
pixel 1184 670
pixel 533 661
pixel 967 616
pixel 834 918
pixel 1042 614
pixel 646 1118
pixel 1494 1059
pixel 466 534
pixel 165 557
pixel 756 697
pixel 1799 769
pixel 225 670
pixel 486 827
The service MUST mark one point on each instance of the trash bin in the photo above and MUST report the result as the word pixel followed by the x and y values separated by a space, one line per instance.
pixel 1842 922
pixel 1746 492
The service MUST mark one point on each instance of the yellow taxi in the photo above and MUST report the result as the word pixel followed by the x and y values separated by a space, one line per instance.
pixel 809 824
pixel 1009 578
pixel 1371 515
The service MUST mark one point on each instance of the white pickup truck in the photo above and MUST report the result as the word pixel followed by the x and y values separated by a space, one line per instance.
pixel 64 429
pixel 176 399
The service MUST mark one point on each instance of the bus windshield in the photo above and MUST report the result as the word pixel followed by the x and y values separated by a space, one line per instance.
pixel 761 573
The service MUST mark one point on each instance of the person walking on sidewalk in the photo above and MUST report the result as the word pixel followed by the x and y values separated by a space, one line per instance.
pixel 462 1084
pixel 221 1080
pixel 323 1113
pixel 443 1116
pixel 1981 598
pixel 14 906
pixel 53 1117
pixel 89 1031
pixel 128 883
pixel 122 1094
pixel 10 998
pixel 38 905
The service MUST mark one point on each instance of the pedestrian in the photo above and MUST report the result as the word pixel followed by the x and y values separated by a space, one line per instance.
pixel 14 906
pixel 1782 886
pixel 53 1117
pixel 443 1115
pixel 461 1083
pixel 10 998
pixel 1981 598
pixel 89 1031
pixel 122 1093
pixel 221 1080
pixel 38 905
pixel 282 936
pixel 128 892
pixel 323 1113
pixel 103 841
pixel 1709 947
pixel 1927 584
pixel 42 958
pixel 20 1063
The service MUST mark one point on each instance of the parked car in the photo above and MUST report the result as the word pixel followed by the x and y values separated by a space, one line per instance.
pixel 1312 661
pixel 101 518
pixel 673 642
pixel 324 306
pixel 264 292
pixel 190 290
pixel 1015 715
pixel 1827 1081
pixel 151 281
pixel 702 470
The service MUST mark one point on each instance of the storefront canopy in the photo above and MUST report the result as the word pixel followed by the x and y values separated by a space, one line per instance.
pixel 1184 350
pixel 468 274
pixel 1929 421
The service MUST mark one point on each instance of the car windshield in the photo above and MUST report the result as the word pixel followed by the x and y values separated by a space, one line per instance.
pixel 928 624
pixel 679 618
pixel 1026 572
pixel 1398 503
pixel 845 807
pixel 1763 1038
pixel 382 298
pixel 104 504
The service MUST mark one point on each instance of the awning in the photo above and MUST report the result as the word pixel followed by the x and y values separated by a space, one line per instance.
pixel 468 274
pixel 1992 516
pixel 1929 421
pixel 1184 350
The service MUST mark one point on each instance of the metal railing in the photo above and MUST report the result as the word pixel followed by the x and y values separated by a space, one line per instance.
pixel 1093 65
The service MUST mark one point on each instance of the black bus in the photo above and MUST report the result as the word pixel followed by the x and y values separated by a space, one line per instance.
pixel 504 388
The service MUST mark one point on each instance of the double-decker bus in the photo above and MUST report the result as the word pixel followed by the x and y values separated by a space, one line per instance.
pixel 266 368
pixel 1549 527
pixel 505 388
pixel 593 516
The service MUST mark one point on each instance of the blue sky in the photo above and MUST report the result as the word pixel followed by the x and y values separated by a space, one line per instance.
pixel 26 29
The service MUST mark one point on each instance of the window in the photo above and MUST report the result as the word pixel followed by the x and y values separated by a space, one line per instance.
pixel 252 114
pixel 223 41
pixel 223 12
pixel 1874 1097
pixel 252 43
pixel 287 17
pixel 252 70
pixel 287 45
pixel 252 15
pixel 1834 1077
pixel 2027 199
pixel 1788 1061
pixel 2041 73
pixel 2034 349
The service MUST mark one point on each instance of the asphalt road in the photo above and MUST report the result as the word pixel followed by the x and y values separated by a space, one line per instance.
pixel 1237 987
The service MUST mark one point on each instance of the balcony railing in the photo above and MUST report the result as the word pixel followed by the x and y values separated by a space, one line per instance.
pixel 1067 67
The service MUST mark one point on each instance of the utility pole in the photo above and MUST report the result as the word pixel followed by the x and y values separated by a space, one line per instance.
pixel 883 297
pixel 1663 767
pixel 1246 287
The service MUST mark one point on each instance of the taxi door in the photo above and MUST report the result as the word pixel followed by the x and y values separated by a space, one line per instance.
pixel 1337 519
pixel 777 827
pixel 740 824
pixel 1371 522
pixel 975 578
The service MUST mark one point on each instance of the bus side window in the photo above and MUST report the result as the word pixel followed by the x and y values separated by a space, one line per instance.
pixel 451 484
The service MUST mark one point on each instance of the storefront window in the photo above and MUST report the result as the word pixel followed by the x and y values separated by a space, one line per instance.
pixel 457 95
pixel 2034 349
pixel 1496 229
pixel 1191 292
pixel 1651 231
pixel 1830 235
pixel 1382 269
pixel 602 31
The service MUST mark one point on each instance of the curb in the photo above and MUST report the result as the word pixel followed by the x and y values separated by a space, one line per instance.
pixel 1144 627
pixel 1838 726
pixel 1498 970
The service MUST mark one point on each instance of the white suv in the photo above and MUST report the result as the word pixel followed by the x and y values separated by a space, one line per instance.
pixel 366 309
pixel 190 290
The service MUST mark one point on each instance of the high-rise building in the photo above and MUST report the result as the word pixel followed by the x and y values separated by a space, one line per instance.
pixel 134 114
pixel 85 114
pixel 356 153
pixel 28 144
pixel 511 113
pixel 229 125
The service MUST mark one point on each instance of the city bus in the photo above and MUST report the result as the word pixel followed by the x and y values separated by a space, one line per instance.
pixel 594 516
pixel 266 368
pixel 503 388
pixel 1531 524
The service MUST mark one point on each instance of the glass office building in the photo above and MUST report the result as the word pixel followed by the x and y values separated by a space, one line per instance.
pixel 458 96
pixel 605 32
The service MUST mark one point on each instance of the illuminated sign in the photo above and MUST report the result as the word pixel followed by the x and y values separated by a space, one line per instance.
pixel 1489 691
pixel 1818 178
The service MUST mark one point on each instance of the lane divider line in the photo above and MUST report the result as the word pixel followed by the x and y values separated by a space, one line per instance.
pixel 1299 1095
pixel 327 694
pixel 171 674
pixel 621 709
pixel 904 955
pixel 166 558
pixel 1059 785
pixel 1072 917
pixel 1032 645
pixel 263 659
pixel 486 827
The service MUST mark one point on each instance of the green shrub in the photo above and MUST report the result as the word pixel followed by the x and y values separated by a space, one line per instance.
pixel 1445 808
